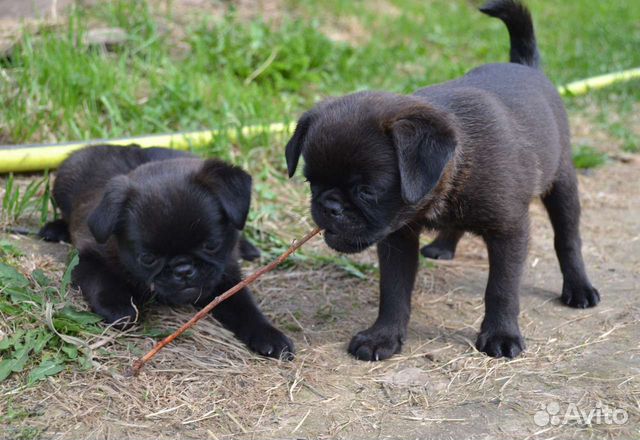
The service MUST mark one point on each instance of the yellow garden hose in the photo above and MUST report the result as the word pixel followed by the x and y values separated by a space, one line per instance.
pixel 598 82
pixel 20 158
pixel 34 157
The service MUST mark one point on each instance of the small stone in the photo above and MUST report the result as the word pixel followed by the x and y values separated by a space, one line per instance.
pixel 408 377
pixel 107 37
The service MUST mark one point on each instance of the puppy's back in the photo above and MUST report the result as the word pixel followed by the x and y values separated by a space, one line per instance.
pixel 509 109
pixel 87 171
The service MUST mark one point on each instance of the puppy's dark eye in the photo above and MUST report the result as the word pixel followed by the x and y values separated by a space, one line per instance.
pixel 147 259
pixel 211 247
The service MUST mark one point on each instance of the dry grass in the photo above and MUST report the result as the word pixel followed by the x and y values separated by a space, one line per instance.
pixel 207 385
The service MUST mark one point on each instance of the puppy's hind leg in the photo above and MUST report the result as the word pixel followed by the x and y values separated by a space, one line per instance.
pixel 563 206
pixel 444 245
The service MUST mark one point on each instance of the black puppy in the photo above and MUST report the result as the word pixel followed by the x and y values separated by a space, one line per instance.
pixel 158 223
pixel 466 155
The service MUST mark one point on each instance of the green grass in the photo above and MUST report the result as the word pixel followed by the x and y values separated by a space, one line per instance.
pixel 44 330
pixel 34 200
pixel 585 157
pixel 232 72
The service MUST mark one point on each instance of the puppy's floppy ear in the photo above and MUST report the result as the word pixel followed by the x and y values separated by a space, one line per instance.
pixel 293 149
pixel 232 185
pixel 104 220
pixel 425 141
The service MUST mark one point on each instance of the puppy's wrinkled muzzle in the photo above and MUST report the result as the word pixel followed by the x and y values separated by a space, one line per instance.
pixel 181 296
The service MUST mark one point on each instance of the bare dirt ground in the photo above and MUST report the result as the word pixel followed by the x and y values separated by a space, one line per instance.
pixel 208 386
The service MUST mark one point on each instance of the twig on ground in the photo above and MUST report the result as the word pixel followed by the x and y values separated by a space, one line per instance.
pixel 137 365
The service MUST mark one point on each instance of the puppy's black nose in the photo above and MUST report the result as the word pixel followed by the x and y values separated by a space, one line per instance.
pixel 184 271
pixel 333 207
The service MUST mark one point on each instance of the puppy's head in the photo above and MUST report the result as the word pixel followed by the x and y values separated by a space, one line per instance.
pixel 175 223
pixel 371 159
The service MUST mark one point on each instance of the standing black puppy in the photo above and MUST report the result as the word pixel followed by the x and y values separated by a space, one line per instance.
pixel 157 223
pixel 466 155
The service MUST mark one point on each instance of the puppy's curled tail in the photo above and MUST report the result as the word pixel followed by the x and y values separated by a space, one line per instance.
pixel 520 26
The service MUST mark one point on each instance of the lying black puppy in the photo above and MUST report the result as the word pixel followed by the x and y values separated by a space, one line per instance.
pixel 163 224
pixel 466 155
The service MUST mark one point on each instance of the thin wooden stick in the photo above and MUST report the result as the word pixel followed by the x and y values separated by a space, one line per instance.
pixel 137 365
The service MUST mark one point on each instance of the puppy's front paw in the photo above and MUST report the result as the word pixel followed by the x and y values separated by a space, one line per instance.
pixel 271 342
pixel 376 343
pixel 499 343
pixel 248 251
pixel 580 297
pixel 55 231
pixel 436 252
pixel 122 318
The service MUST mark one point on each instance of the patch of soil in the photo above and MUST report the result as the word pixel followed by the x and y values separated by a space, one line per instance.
pixel 206 385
